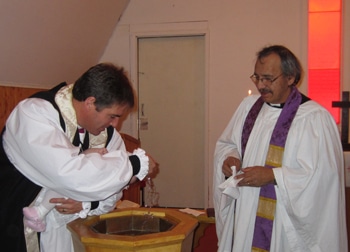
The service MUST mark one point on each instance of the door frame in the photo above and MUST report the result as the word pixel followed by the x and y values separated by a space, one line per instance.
pixel 170 30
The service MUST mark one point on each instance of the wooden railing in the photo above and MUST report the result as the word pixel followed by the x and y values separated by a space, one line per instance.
pixel 10 97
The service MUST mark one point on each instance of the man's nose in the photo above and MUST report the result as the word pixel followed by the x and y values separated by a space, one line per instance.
pixel 260 84
pixel 115 122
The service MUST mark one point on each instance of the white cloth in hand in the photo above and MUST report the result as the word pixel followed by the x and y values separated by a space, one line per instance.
pixel 229 186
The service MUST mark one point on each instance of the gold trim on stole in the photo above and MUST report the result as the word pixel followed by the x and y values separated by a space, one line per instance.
pixel 274 156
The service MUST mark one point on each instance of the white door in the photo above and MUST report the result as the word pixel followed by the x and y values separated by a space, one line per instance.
pixel 171 97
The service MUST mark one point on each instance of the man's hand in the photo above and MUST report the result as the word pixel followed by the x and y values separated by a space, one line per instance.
pixel 226 166
pixel 153 167
pixel 67 206
pixel 256 176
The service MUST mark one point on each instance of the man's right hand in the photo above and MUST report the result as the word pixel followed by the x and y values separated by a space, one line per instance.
pixel 228 163
pixel 153 167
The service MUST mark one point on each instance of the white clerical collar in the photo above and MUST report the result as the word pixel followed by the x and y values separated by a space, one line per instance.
pixel 275 105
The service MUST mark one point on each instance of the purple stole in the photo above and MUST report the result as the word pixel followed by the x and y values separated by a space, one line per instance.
pixel 267 197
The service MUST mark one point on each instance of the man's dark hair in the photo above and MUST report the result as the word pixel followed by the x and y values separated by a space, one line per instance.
pixel 107 83
pixel 290 64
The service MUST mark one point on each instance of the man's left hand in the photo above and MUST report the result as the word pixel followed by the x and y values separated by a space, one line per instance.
pixel 67 206
pixel 256 176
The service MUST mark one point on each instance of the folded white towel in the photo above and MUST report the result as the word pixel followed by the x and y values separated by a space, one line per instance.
pixel 191 211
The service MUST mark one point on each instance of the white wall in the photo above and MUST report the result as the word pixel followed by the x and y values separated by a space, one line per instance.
pixel 237 30
pixel 44 43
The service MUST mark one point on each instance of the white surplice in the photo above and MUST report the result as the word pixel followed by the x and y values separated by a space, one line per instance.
pixel 310 208
pixel 36 144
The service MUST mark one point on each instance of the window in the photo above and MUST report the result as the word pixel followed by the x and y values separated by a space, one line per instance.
pixel 324 42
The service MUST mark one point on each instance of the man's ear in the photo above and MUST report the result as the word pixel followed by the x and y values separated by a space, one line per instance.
pixel 291 80
pixel 89 102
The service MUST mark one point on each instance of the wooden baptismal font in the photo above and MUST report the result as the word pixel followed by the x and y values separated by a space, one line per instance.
pixel 135 229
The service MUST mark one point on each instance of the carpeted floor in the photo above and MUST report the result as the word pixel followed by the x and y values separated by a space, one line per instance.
pixel 205 238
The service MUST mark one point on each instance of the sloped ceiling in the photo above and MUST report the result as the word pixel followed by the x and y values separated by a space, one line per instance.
pixel 43 43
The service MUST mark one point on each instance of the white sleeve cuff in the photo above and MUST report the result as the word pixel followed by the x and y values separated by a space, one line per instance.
pixel 144 163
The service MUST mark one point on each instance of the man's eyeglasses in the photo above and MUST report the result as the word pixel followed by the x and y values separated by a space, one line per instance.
pixel 265 80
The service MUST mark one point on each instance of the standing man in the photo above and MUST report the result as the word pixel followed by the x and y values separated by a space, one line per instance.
pixel 41 147
pixel 286 151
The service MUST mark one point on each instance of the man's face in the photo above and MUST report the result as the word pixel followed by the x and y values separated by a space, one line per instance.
pixel 97 121
pixel 269 68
